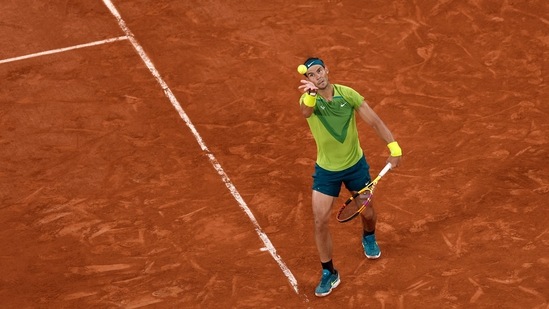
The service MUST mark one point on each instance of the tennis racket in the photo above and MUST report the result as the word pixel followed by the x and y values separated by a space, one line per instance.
pixel 349 210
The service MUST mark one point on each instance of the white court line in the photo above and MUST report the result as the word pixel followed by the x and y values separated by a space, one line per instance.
pixel 54 51
pixel 211 157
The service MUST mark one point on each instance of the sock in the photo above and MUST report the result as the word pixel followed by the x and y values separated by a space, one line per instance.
pixel 329 266
pixel 369 233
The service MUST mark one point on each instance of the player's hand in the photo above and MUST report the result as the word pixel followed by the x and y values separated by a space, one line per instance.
pixel 308 87
pixel 395 161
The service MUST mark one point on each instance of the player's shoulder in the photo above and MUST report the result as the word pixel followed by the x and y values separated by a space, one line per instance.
pixel 345 90
pixel 349 94
pixel 343 87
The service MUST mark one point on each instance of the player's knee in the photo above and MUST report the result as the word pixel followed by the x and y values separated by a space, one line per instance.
pixel 321 224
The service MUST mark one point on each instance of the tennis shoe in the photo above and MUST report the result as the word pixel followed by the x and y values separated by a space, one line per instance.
pixel 328 282
pixel 371 249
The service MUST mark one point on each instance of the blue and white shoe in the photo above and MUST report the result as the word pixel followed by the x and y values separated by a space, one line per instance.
pixel 328 282
pixel 371 249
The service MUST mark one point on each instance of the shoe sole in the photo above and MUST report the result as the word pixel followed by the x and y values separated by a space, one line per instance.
pixel 372 257
pixel 330 291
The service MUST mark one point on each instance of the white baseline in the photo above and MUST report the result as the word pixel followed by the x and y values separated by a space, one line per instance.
pixel 59 50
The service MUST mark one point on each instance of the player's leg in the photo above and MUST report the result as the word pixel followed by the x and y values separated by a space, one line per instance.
pixel 358 177
pixel 369 218
pixel 326 187
pixel 369 243
pixel 322 209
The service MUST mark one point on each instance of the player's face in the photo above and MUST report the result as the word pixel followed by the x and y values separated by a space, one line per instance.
pixel 318 75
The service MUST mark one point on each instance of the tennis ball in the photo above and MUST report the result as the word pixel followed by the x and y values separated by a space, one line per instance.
pixel 302 69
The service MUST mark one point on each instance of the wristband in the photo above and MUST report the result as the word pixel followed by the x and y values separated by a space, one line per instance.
pixel 309 100
pixel 394 148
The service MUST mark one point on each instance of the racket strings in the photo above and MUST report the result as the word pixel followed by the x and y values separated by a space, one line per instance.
pixel 354 206
pixel 362 199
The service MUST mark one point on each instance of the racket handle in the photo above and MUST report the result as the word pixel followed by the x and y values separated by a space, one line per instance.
pixel 385 169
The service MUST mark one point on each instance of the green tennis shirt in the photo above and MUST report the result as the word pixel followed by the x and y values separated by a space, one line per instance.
pixel 333 125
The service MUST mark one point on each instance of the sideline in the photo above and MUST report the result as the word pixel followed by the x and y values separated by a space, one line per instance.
pixel 268 245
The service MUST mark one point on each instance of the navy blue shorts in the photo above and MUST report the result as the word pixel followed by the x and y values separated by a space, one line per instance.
pixel 354 178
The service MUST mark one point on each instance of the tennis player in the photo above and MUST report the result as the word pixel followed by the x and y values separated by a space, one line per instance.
pixel 330 112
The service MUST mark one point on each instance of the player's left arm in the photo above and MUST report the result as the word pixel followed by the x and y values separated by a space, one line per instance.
pixel 371 118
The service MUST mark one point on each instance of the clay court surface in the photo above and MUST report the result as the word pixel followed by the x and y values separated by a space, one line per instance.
pixel 107 199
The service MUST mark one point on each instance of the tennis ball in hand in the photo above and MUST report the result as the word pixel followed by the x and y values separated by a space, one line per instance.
pixel 302 69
